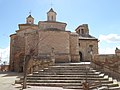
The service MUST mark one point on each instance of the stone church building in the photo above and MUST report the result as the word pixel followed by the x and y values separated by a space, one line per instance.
pixel 48 37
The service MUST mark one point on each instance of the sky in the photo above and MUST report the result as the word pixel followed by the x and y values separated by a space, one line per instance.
pixel 102 16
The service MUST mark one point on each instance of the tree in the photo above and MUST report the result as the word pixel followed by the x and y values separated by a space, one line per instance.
pixel 32 47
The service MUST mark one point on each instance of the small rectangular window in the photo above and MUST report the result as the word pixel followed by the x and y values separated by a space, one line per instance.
pixel 90 46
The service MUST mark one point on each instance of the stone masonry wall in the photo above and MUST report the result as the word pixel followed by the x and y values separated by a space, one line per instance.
pixel 58 40
pixel 110 62
pixel 12 44
pixel 85 49
pixel 31 42
pixel 74 49
pixel 47 25
pixel 17 46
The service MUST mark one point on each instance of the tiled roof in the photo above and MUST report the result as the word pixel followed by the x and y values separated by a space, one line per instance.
pixel 51 10
pixel 87 37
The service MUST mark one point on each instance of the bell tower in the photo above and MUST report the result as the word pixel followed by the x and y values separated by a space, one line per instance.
pixel 51 15
pixel 30 19
pixel 83 30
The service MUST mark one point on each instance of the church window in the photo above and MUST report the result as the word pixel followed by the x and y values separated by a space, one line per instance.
pixel 79 31
pixel 91 47
pixel 52 17
pixel 30 22
pixel 82 31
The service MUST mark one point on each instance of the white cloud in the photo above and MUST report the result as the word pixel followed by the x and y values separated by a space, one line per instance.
pixel 4 54
pixel 110 38
pixel 108 50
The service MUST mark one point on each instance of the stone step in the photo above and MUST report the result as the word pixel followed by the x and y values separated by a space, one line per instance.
pixel 64 70
pixel 110 88
pixel 79 87
pixel 66 73
pixel 97 76
pixel 63 81
pixel 65 78
pixel 73 87
pixel 54 81
pixel 82 67
pixel 54 84
pixel 73 64
pixel 96 87
pixel 103 82
pixel 69 85
pixel 114 88
pixel 111 85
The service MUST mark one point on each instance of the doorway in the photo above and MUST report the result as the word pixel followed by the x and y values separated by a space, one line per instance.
pixel 21 62
pixel 81 56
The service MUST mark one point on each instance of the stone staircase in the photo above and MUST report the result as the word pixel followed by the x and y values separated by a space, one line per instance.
pixel 71 76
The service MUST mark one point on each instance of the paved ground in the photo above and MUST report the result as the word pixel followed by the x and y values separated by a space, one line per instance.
pixel 7 82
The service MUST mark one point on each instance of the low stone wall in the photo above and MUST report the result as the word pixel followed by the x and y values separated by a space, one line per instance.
pixel 108 63
pixel 103 57
pixel 109 71
pixel 38 64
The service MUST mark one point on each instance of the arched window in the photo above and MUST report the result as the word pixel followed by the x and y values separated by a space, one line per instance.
pixel 52 18
pixel 82 31
pixel 91 48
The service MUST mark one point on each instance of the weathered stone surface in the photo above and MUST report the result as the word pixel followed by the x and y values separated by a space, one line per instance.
pixel 50 40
